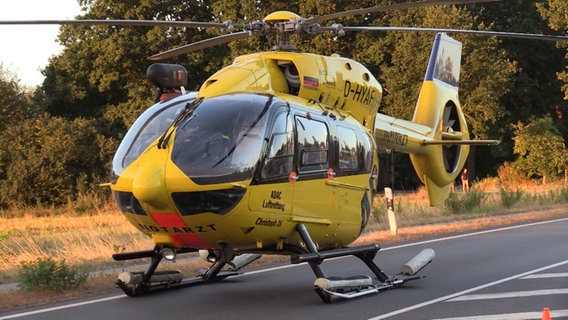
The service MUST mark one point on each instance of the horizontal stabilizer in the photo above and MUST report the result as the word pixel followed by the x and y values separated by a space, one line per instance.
pixel 460 142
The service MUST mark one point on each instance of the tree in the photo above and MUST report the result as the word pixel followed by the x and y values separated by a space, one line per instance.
pixel 555 12
pixel 540 148
pixel 101 71
pixel 15 102
pixel 402 57
pixel 535 87
pixel 15 107
pixel 50 160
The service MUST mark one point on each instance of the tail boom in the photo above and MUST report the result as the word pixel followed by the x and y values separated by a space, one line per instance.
pixel 437 138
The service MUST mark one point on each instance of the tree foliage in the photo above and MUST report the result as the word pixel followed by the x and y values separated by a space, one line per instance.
pixel 46 159
pixel 540 148
pixel 101 71
pixel 50 160
pixel 555 13
pixel 486 69
pixel 15 102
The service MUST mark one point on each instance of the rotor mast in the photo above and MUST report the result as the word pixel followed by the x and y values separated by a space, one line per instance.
pixel 280 25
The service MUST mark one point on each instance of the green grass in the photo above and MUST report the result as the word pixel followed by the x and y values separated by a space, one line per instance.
pixel 48 274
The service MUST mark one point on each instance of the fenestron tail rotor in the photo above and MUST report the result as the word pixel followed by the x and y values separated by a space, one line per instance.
pixel 451 131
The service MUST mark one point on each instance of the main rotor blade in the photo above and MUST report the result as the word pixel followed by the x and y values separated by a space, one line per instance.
pixel 478 32
pixel 395 6
pixel 162 23
pixel 200 45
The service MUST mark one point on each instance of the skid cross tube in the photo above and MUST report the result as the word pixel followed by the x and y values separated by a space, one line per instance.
pixel 133 255
pixel 363 250
pixel 144 285
pixel 314 258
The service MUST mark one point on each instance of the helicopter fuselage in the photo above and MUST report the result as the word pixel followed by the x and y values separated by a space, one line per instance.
pixel 246 176
pixel 258 150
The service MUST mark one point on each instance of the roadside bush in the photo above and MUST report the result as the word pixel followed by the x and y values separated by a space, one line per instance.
pixel 508 197
pixel 563 194
pixel 48 274
pixel 554 196
pixel 5 234
pixel 379 209
pixel 508 175
pixel 464 202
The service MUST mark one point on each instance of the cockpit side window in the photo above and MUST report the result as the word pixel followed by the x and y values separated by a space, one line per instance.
pixel 280 158
pixel 156 125
pixel 355 150
pixel 147 128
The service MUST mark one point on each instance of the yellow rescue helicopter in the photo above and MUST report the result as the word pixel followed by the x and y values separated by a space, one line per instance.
pixel 277 154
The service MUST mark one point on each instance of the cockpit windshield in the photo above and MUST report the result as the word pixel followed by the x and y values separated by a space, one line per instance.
pixel 223 138
pixel 147 128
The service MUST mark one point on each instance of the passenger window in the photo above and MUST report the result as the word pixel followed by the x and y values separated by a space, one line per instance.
pixel 312 144
pixel 347 149
pixel 366 152
pixel 280 159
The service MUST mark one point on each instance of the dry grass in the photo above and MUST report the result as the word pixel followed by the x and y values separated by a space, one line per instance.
pixel 75 239
pixel 440 229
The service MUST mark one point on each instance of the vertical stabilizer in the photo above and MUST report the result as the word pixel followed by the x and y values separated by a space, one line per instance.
pixel 445 61
pixel 439 109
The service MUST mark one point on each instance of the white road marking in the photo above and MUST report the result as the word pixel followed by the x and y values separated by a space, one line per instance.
pixel 66 306
pixel 461 293
pixel 73 305
pixel 513 316
pixel 547 275
pixel 511 294
pixel 465 235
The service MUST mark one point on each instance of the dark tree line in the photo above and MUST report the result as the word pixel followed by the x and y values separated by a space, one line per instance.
pixel 59 141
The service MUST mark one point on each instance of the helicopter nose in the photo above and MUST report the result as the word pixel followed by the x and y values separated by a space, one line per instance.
pixel 149 185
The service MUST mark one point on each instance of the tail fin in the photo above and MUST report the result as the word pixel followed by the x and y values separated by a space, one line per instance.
pixel 437 138
pixel 439 109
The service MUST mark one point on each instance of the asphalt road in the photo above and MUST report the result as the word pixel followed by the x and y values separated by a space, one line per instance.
pixel 505 273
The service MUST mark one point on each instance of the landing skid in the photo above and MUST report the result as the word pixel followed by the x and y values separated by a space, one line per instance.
pixel 139 283
pixel 329 295
pixel 139 289
pixel 331 289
